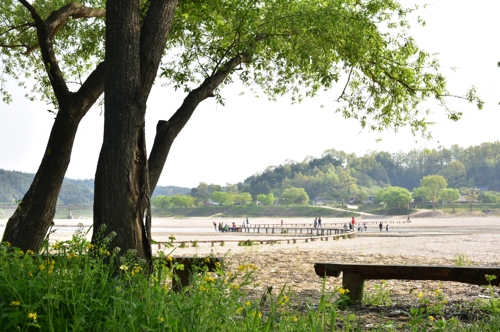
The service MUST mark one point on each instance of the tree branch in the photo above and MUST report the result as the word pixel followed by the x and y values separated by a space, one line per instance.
pixel 49 58
pixel 58 18
pixel 167 131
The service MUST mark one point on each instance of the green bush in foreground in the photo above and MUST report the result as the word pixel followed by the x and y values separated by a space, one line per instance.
pixel 70 287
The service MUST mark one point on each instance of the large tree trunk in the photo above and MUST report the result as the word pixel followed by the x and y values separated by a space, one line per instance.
pixel 29 224
pixel 133 53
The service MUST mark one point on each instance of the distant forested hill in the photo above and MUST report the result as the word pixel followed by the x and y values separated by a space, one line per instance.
pixel 336 175
pixel 339 175
pixel 14 184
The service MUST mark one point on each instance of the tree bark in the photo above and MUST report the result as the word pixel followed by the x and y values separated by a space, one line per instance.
pixel 133 53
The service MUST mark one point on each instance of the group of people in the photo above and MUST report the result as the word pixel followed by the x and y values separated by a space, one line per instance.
pixel 381 226
pixel 363 226
pixel 221 227
pixel 317 222
pixel 225 228
pixel 352 225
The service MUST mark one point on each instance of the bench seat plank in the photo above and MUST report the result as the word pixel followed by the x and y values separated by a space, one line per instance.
pixel 355 274
pixel 466 274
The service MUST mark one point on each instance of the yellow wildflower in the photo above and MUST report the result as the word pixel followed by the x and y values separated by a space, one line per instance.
pixel 15 303
pixel 283 300
pixel 57 245
pixel 239 311
pixel 343 291
pixel 30 274
pixel 431 318
pixel 42 267
pixel 247 303
pixel 165 287
pixel 118 289
pixel 169 258
pixel 161 319
pixel 29 252
pixel 437 292
pixel 21 252
pixel 32 315
pixel 124 267
pixel 90 246
pixel 203 288
pixel 295 319
pixel 208 279
pixel 207 260
pixel 420 295
pixel 247 267
pixel 257 313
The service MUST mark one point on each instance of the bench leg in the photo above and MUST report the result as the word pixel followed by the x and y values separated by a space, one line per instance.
pixel 354 282
pixel 182 279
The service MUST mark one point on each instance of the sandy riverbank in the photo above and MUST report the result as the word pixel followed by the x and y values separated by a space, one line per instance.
pixel 476 237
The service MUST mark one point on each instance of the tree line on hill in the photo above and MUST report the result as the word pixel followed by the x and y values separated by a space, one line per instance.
pixel 335 176
pixel 339 175
pixel 342 177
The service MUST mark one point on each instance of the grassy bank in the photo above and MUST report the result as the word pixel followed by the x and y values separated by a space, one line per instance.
pixel 85 212
pixel 252 211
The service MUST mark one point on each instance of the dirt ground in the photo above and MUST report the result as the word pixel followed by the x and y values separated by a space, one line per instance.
pixel 424 241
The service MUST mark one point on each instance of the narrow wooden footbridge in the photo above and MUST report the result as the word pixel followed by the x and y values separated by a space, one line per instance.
pixel 289 233
pixel 278 229
pixel 308 228
pixel 331 224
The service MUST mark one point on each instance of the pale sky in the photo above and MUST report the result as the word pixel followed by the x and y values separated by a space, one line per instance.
pixel 226 144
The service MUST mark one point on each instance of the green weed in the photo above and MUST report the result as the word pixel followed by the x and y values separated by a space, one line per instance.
pixel 379 297
pixel 461 260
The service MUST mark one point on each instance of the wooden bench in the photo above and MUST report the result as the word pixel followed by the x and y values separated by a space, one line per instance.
pixel 354 275
pixel 182 278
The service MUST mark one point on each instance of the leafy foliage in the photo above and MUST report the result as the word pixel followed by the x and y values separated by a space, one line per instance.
pixel 394 197
pixel 432 186
pixel 294 196
pixel 299 48
pixel 449 195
